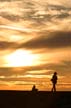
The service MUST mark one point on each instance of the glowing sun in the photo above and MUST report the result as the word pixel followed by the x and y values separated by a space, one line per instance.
pixel 21 58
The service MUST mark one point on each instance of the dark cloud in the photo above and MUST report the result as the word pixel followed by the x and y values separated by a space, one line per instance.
pixel 4 0
pixel 63 15
pixel 68 64
pixel 5 71
pixel 62 12
pixel 58 7
pixel 7 45
pixel 53 40
pixel 11 71
pixel 11 17
pixel 34 15
pixel 7 0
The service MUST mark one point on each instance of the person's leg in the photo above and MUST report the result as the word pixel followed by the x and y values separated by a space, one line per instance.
pixel 54 88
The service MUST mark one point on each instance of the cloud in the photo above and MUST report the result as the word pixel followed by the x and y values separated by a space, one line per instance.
pixel 63 68
pixel 51 41
pixel 7 45
pixel 4 0
pixel 63 15
pixel 34 11
pixel 58 7
pixel 34 15
pixel 43 72
pixel 10 17
pixel 67 65
pixel 10 71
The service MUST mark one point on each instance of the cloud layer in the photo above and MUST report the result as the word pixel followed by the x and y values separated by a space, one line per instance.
pixel 51 40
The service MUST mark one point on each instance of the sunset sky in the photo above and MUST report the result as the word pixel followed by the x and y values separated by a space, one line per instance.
pixel 35 41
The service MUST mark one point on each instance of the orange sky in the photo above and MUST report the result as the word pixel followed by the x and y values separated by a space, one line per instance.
pixel 35 41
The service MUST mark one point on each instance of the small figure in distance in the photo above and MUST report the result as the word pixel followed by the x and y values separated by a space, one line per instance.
pixel 34 89
pixel 54 81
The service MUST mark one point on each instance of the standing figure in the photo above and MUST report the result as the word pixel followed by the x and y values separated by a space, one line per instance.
pixel 54 81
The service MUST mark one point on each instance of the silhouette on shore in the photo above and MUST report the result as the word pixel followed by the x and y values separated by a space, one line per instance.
pixel 34 88
pixel 54 81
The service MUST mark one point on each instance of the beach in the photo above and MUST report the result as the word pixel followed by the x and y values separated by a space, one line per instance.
pixel 34 99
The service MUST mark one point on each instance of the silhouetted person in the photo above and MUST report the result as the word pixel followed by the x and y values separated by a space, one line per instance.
pixel 34 88
pixel 54 81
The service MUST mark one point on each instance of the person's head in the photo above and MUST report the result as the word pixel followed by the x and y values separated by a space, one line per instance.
pixel 55 73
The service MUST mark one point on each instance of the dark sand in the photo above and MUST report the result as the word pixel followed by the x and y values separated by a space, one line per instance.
pixel 37 99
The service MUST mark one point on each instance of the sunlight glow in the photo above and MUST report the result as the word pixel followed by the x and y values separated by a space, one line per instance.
pixel 21 58
pixel 22 29
pixel 15 38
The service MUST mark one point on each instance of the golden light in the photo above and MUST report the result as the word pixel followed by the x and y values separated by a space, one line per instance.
pixel 15 38
pixel 21 58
